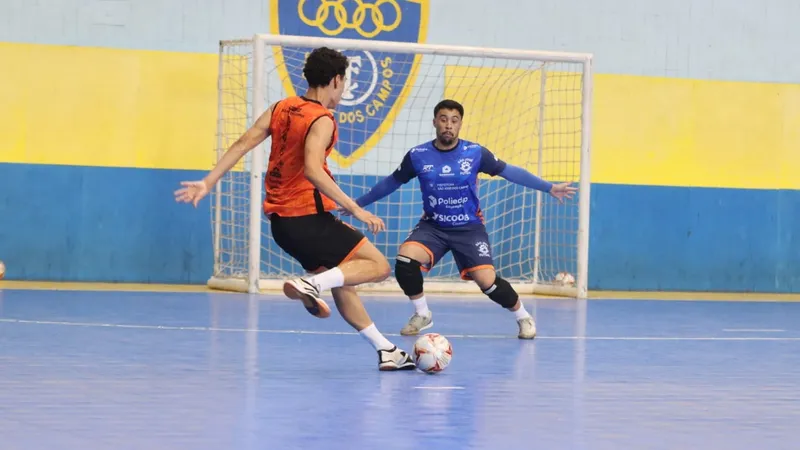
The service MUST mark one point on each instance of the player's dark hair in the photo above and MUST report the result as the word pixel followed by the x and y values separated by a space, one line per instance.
pixel 322 66
pixel 448 104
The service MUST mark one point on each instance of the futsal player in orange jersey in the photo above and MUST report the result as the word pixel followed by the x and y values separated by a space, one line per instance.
pixel 301 192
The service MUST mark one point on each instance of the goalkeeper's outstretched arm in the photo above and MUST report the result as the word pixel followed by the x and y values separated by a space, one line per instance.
pixel 385 187
pixel 518 175
pixel 492 165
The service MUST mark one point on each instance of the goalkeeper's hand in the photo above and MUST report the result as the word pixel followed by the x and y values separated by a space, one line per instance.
pixel 191 192
pixel 562 191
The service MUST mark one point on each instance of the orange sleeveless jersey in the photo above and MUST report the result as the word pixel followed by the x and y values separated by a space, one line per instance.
pixel 288 192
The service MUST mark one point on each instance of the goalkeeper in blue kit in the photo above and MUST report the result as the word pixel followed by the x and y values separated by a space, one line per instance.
pixel 448 168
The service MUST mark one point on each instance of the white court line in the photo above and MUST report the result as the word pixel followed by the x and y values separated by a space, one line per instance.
pixel 440 388
pixel 353 333
pixel 752 330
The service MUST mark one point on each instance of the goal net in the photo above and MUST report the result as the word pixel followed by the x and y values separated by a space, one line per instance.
pixel 530 108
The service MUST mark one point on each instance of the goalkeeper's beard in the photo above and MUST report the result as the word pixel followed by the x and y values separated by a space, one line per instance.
pixel 446 140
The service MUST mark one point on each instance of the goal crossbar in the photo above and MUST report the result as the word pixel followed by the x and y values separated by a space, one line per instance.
pixel 412 47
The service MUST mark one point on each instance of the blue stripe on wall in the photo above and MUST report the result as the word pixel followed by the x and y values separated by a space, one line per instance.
pixel 68 223
pixel 696 239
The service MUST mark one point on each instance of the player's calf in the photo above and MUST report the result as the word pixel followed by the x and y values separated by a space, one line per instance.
pixel 408 273
pixel 352 310
pixel 367 265
pixel 502 293
pixel 382 269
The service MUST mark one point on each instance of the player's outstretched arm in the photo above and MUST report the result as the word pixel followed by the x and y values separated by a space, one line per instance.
pixel 520 176
pixel 382 189
pixel 194 191
pixel 317 141
pixel 492 165
pixel 385 187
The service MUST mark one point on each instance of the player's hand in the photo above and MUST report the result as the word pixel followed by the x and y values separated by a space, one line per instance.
pixel 191 192
pixel 562 191
pixel 373 222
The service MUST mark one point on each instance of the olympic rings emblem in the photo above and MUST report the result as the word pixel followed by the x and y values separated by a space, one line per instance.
pixel 359 17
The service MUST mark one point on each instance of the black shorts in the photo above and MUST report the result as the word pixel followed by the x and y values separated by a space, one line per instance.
pixel 317 240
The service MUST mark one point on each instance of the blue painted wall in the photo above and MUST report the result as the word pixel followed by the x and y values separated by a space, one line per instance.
pixel 694 239
pixel 121 225
pixel 71 223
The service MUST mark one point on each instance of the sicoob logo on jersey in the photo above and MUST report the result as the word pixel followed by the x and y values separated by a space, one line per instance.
pixel 378 83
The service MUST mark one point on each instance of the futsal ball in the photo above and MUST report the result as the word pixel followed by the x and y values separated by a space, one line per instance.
pixel 2 270
pixel 565 279
pixel 432 353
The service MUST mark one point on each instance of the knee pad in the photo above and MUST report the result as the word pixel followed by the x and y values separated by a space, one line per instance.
pixel 502 293
pixel 408 273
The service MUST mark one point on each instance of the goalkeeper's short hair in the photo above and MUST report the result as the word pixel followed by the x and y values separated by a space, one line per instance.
pixel 448 104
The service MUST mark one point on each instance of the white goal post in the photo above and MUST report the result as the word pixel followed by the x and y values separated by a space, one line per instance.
pixel 530 108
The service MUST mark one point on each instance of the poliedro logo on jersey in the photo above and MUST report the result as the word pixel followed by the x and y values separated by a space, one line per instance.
pixel 432 201
pixel 447 202
pixel 377 83
pixel 450 202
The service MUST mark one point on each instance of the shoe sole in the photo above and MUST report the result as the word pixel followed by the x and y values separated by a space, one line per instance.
pixel 315 306
pixel 407 366
pixel 418 331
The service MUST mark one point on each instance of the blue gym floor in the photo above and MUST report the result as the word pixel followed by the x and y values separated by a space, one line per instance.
pixel 134 370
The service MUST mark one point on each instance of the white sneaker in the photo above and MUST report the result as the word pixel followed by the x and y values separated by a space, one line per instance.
pixel 527 328
pixel 308 294
pixel 417 323
pixel 394 359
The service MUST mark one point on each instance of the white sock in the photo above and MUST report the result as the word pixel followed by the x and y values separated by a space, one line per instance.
pixel 375 338
pixel 521 313
pixel 328 279
pixel 421 306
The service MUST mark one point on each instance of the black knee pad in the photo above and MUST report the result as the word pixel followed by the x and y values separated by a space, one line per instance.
pixel 502 293
pixel 408 273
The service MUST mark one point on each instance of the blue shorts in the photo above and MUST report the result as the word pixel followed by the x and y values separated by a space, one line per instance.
pixel 469 244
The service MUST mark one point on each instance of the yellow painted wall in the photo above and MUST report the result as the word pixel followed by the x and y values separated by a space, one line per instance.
pixel 104 107
pixel 147 109
pixel 676 132
pixel 645 130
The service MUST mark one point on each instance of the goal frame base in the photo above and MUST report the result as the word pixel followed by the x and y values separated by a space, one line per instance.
pixel 390 286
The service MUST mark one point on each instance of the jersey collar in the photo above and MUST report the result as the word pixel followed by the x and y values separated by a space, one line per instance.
pixel 310 100
pixel 433 144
